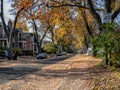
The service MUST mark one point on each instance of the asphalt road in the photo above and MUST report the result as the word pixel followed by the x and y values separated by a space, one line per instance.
pixel 69 72
pixel 27 67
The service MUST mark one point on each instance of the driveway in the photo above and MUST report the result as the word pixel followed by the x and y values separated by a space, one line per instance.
pixel 59 73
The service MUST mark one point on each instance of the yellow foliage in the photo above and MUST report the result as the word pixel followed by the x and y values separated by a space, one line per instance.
pixel 60 32
pixel 22 26
pixel 52 17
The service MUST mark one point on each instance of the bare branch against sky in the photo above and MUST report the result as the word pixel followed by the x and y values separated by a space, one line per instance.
pixel 6 10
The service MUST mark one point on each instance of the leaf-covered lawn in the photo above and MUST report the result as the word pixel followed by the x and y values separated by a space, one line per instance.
pixel 105 79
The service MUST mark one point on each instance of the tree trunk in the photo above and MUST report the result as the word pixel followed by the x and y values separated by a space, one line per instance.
pixel 36 36
pixel 9 31
pixel 3 20
pixel 16 40
pixel 108 5
pixel 61 48
pixel 52 35
pixel 106 59
pixel 83 13
pixel 41 40
pixel 40 49
pixel 106 56
pixel 94 50
pixel 93 12
pixel 86 44
pixel 39 44
pixel 10 51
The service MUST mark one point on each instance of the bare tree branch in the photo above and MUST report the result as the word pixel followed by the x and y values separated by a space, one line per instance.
pixel 115 14
pixel 93 12
pixel 71 5
pixel 108 5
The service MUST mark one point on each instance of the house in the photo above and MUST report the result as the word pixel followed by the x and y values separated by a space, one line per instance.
pixel 21 40
pixel 2 36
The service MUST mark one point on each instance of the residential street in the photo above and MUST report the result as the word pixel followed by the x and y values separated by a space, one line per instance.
pixel 59 73
pixel 59 44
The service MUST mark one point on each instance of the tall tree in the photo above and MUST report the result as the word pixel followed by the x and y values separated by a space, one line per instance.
pixel 30 14
pixel 95 7
pixel 10 29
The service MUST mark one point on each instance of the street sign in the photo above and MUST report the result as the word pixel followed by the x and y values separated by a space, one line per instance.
pixel 107 18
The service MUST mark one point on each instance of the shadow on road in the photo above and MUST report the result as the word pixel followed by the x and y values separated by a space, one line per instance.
pixel 14 72
pixel 74 73
pixel 55 60
pixel 50 60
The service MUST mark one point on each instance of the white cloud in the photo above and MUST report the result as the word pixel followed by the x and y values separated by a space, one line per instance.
pixel 7 7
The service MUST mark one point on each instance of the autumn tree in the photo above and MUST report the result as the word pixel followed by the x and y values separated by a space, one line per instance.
pixel 108 7
pixel 10 29
pixel 31 15
pixel 52 19
pixel 69 33
pixel 96 9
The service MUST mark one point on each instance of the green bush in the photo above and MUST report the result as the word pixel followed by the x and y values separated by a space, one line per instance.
pixel 111 68
pixel 49 48
pixel 17 50
pixel 109 42
pixel 2 48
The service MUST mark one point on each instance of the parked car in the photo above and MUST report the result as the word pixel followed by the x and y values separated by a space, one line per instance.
pixel 42 56
pixel 64 53
pixel 61 53
pixel 4 54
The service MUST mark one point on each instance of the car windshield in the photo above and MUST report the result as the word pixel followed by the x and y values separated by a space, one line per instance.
pixel 42 54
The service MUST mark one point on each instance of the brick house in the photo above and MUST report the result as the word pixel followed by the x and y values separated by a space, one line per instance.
pixel 22 40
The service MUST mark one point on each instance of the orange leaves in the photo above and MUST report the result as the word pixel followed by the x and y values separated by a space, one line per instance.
pixel 55 19
pixel 21 6
pixel 32 16
pixel 39 14
pixel 22 25
pixel 51 16
pixel 18 4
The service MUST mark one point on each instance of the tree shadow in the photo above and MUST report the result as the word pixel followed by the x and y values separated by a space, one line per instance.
pixel 82 73
pixel 50 60
pixel 14 72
